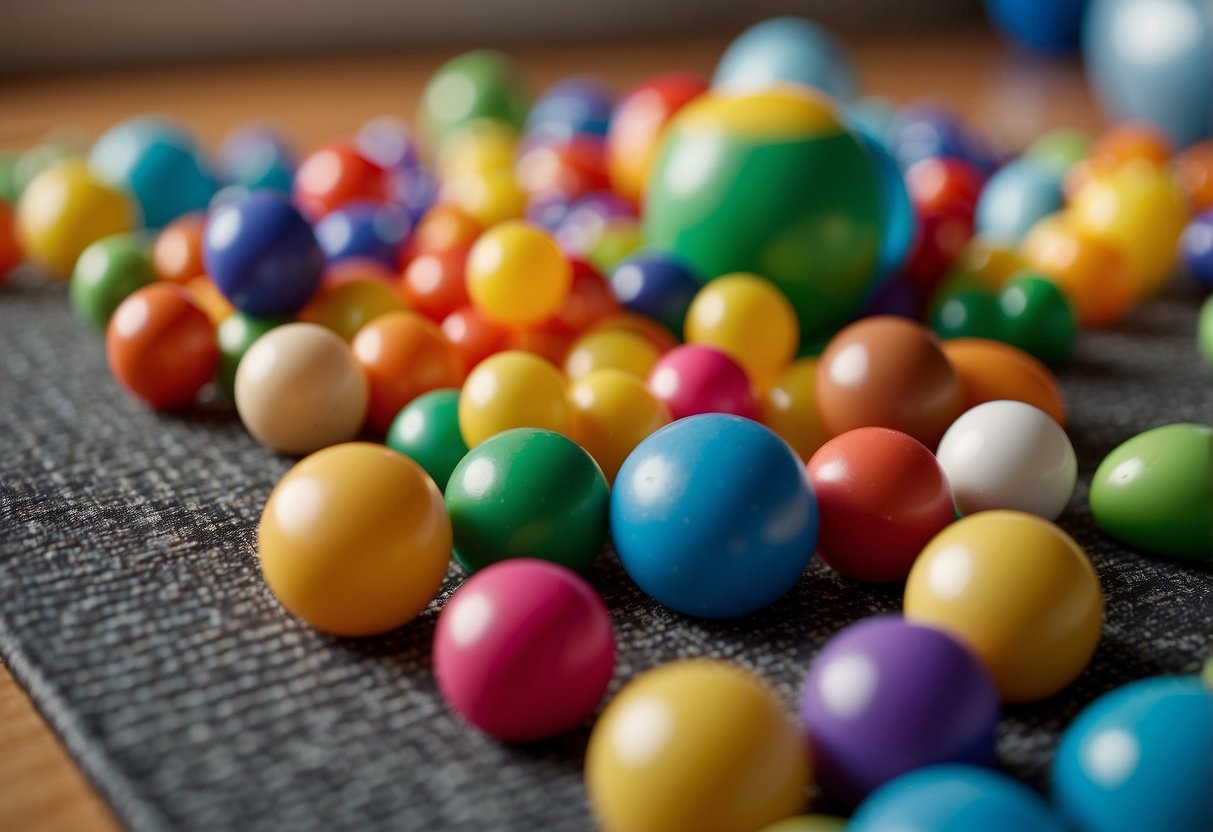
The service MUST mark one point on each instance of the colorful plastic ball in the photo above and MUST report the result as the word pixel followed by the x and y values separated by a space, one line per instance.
pixel 941 184
pixel 257 156
pixel 159 164
pixel 475 85
pixel 434 284
pixel 346 307
pixel 588 217
pixel 489 198
pixel 476 148
pixel 791 194
pixel 1046 26
pixel 784 49
pixel 1204 330
pixel 881 497
pixel 474 335
pixel 888 372
pixel 1149 60
pixel 613 412
pixel 262 254
pixel 299 388
pixel 355 270
pixel 63 210
pixel 365 230
pixel 10 248
pixel 513 389
pixel 444 227
pixel 334 175
pixel 748 318
pixel 1152 491
pixel 967 313
pixel 570 167
pixel 616 349
pixel 1037 317
pixel 1094 274
pixel 993 371
pixel 589 302
pixel 1196 249
pixel 404 355
pixel 920 131
pixel 714 516
pixel 1009 455
pixel 413 189
pixel 549 345
pixel 657 286
pixel 1019 592
pixel 695 744
pixel 388 142
pixel 209 299
pixel 524 650
pixel 107 272
pixel 1015 198
pixel 900 221
pixel 637 125
pixel 955 798
pixel 653 332
pixel 354 540
pixel 528 493
pixel 547 210
pixel 427 431
pixel 694 379
pixel 619 240
pixel 517 275
pixel 570 107
pixel 177 251
pixel 941 240
pixel 1059 150
pixel 1138 758
pixel 161 346
pixel 789 407
pixel 1193 170
pixel 885 697
pixel 236 333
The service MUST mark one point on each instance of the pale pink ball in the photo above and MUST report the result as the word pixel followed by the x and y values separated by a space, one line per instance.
pixel 524 650
pixel 694 379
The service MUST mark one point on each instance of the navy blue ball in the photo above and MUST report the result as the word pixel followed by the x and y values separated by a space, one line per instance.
pixel 657 286
pixel 1196 249
pixel 364 230
pixel 1048 26
pixel 262 255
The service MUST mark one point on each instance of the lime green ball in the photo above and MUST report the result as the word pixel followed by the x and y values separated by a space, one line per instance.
pixel 236 334
pixel 427 431
pixel 773 184
pixel 106 272
pixel 1037 317
pixel 1059 150
pixel 475 85
pixel 1204 330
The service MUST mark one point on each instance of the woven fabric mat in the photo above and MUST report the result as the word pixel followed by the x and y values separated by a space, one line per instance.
pixel 132 609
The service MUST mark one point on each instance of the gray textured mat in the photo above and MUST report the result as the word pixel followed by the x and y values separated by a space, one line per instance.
pixel 132 609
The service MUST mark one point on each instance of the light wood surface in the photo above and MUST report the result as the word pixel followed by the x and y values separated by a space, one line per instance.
pixel 1012 97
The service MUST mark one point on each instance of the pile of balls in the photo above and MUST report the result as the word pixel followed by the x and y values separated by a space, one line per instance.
pixel 690 321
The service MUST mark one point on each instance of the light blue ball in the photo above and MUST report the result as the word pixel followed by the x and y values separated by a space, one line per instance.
pixel 786 49
pixel 1140 758
pixel 159 164
pixel 714 516
pixel 954 798
pixel 1153 60
pixel 1015 198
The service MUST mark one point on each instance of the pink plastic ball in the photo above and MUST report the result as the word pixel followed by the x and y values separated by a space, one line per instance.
pixel 524 650
pixel 694 379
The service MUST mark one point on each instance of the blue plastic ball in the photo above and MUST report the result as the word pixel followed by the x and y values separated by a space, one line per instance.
pixel 923 131
pixel 414 189
pixel 159 164
pixel 548 210
pixel 262 254
pixel 365 230
pixel 388 142
pixel 1015 198
pixel 900 224
pixel 786 49
pixel 1140 757
pixel 1048 26
pixel 569 108
pixel 657 286
pixel 1152 60
pixel 713 516
pixel 1196 249
pixel 256 156
pixel 954 798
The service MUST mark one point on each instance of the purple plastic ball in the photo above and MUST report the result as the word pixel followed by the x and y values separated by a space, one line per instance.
pixel 885 697
pixel 365 230
pixel 1196 249
pixel 387 142
pixel 571 107
pixel 582 224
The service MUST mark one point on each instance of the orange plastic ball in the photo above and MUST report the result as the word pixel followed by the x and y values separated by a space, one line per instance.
pixel 347 307
pixel 207 297
pixel 993 371
pixel 161 347
pixel 177 252
pixel 445 227
pixel 1127 141
pixel 434 283
pixel 547 344
pixel 1093 274
pixel 1194 173
pixel 355 268
pixel 474 335
pixel 404 355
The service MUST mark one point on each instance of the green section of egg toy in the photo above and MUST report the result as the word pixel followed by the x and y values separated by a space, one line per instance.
pixel 1155 491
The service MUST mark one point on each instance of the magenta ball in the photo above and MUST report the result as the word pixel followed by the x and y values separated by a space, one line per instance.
pixel 885 697
pixel 694 379
pixel 524 650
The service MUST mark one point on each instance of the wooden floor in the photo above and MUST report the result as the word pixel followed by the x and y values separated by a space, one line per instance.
pixel 1012 97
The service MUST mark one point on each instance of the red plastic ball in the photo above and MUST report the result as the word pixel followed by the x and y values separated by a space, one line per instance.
pixel 161 346
pixel 474 336
pixel 943 185
pixel 572 168
pixel 589 301
pixel 10 248
pixel 435 283
pixel 637 124
pixel 941 237
pixel 334 175
pixel 694 379
pixel 881 497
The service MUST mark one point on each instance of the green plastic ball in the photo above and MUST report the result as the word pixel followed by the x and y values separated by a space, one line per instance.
pixel 528 493
pixel 1059 150
pixel 1037 317
pixel 475 85
pixel 106 272
pixel 236 334
pixel 773 184
pixel 967 313
pixel 427 431
pixel 9 192
pixel 1204 330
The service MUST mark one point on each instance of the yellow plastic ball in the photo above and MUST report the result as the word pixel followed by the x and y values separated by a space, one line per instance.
pixel 750 319
pixel 479 147
pixel 613 412
pixel 355 540
pixel 63 210
pixel 513 389
pixel 347 307
pixel 1139 209
pixel 789 407
pixel 517 275
pixel 695 745
pixel 987 262
pixel 489 198
pixel 617 349
pixel 1019 591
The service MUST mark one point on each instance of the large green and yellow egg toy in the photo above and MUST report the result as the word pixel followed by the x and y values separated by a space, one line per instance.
pixel 773 184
